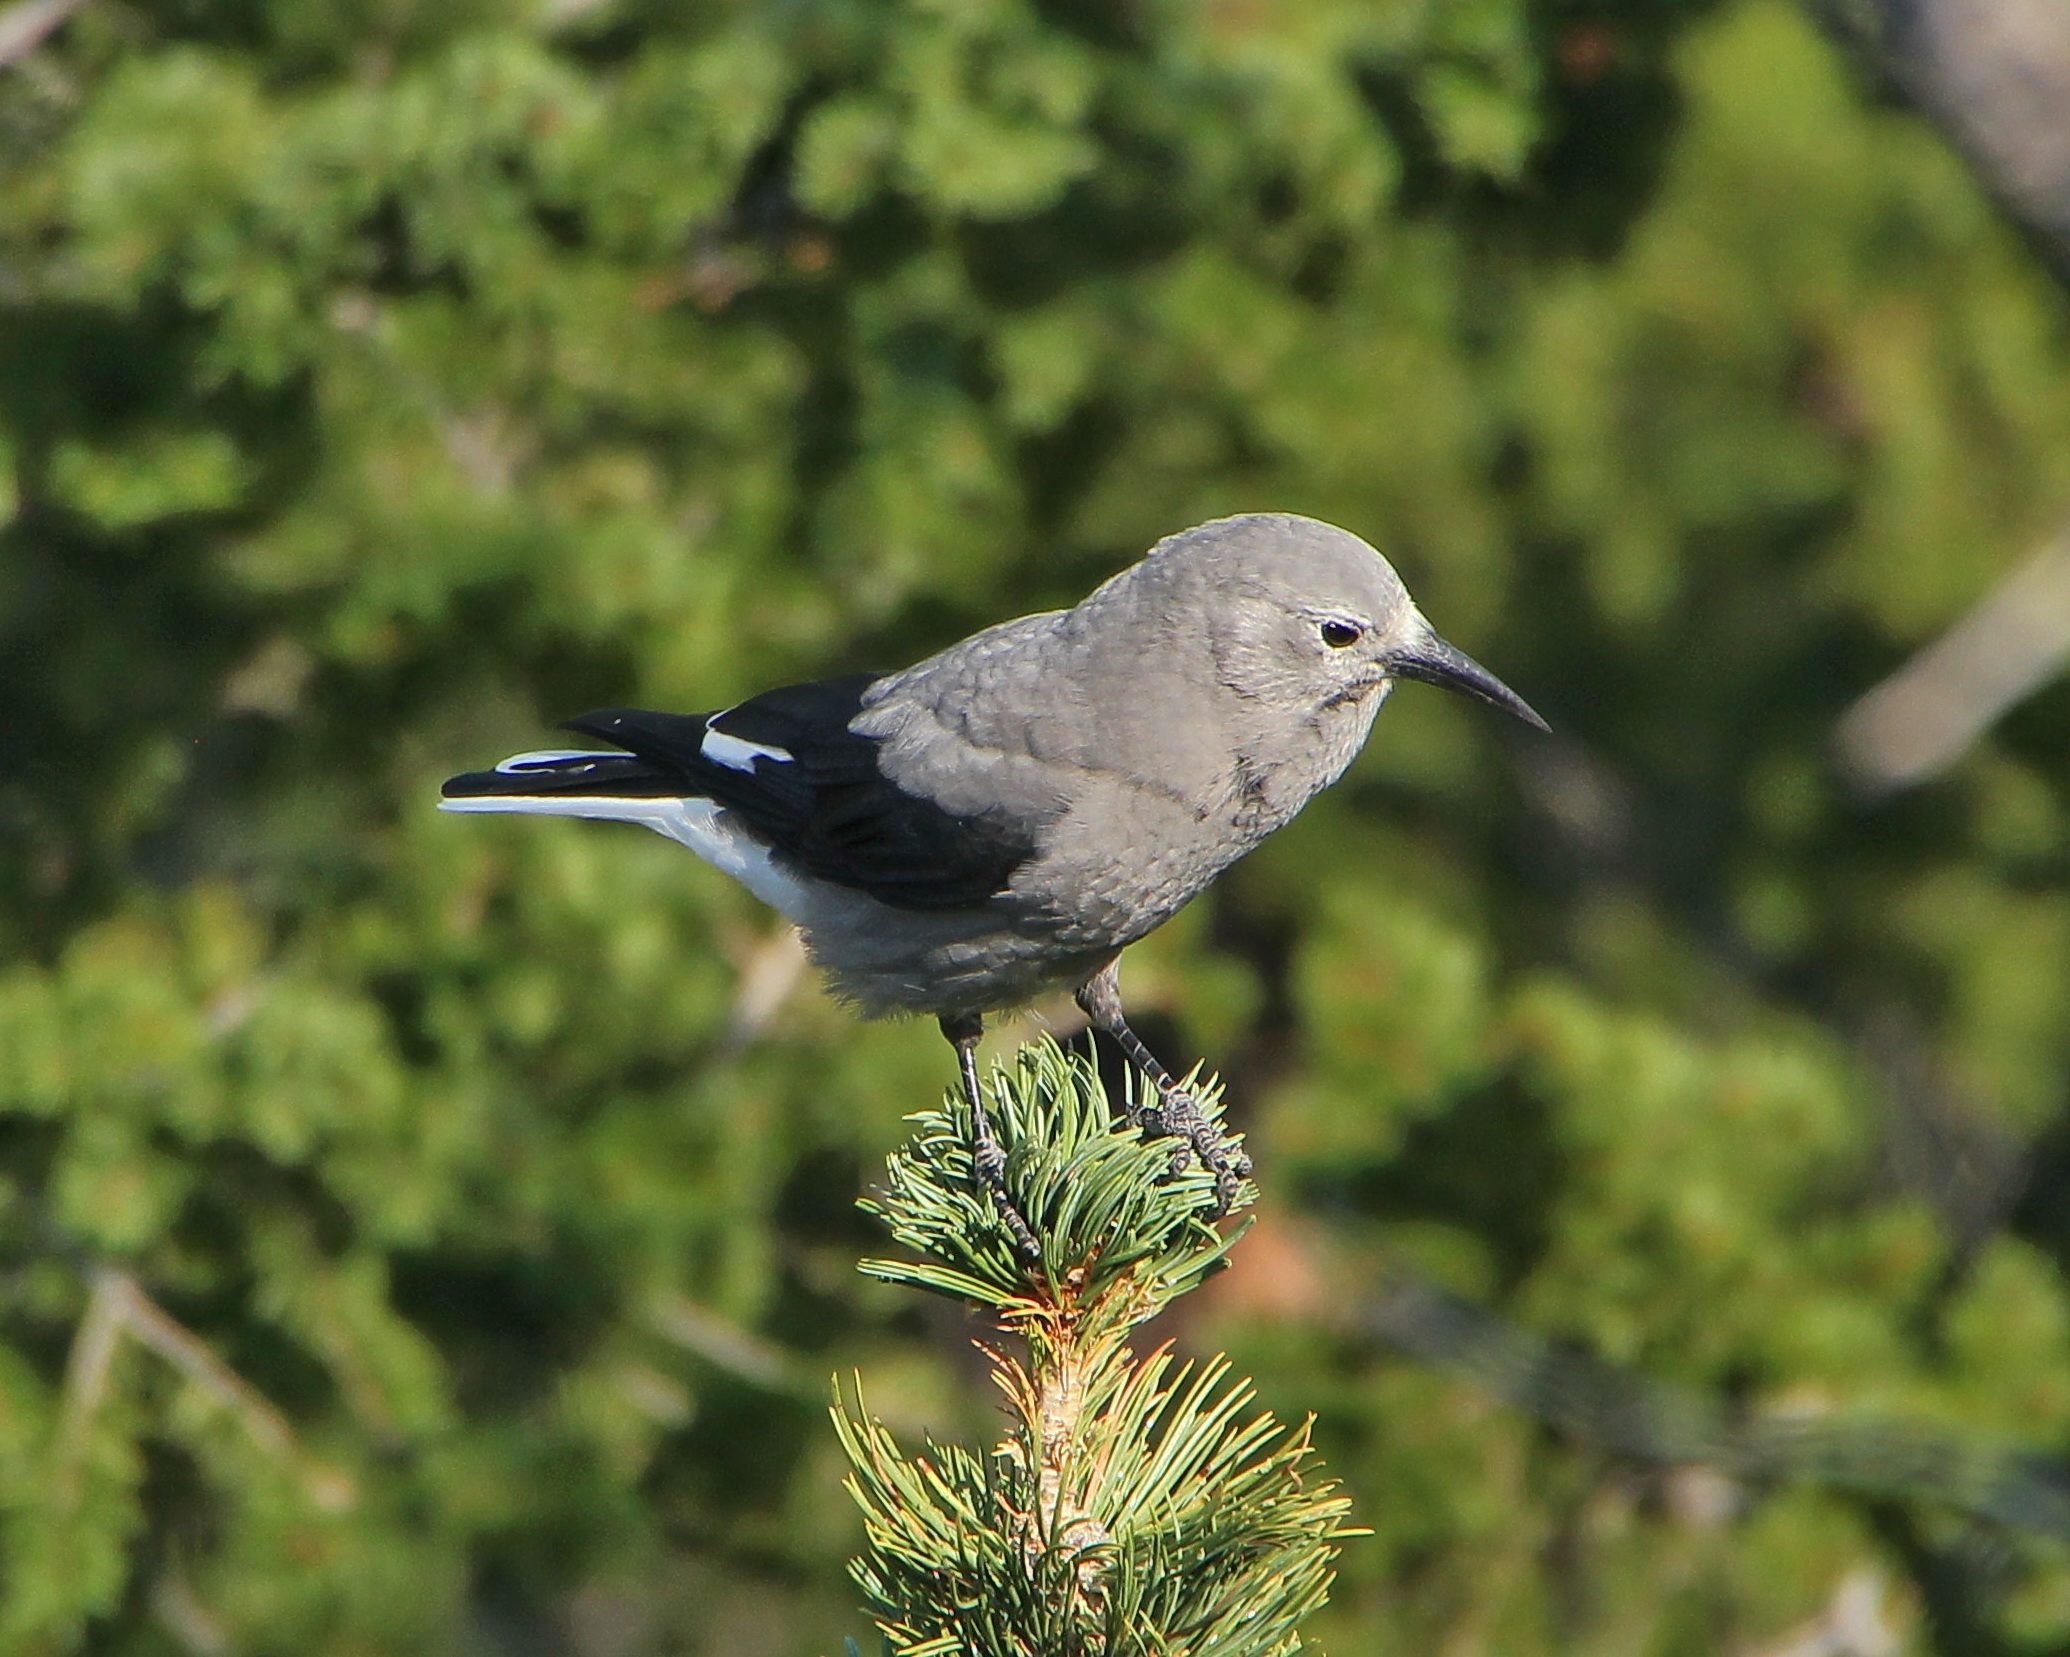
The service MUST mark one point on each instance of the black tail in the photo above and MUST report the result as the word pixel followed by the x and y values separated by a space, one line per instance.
pixel 571 776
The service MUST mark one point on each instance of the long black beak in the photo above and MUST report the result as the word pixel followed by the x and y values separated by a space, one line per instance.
pixel 1437 663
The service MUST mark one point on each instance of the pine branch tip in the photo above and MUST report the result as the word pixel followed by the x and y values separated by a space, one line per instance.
pixel 1100 1198
pixel 1147 1494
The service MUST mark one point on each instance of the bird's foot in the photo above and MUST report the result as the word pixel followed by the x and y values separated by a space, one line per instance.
pixel 1177 1115
pixel 987 1155
pixel 988 1160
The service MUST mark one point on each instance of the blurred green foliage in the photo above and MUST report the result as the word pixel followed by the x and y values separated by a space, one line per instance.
pixel 414 1236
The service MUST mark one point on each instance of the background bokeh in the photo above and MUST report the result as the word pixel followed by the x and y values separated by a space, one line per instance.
pixel 422 1235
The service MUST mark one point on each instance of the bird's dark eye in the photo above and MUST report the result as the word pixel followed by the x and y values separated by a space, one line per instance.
pixel 1337 634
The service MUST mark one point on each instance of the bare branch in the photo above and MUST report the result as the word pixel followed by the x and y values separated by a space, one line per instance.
pixel 156 1329
pixel 118 1306
pixel 86 1377
pixel 1925 716
pixel 771 972
pixel 28 23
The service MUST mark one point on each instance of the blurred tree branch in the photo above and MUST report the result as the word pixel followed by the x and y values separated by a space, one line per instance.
pixel 117 1308
pixel 1922 718
pixel 1668 1427
pixel 1995 74
pixel 25 24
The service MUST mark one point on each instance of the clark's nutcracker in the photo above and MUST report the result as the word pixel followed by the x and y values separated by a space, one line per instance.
pixel 1005 817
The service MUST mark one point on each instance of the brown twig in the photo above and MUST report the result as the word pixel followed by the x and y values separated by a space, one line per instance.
pixel 117 1306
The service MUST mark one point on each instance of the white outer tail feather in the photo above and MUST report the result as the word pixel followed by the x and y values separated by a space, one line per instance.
pixel 702 825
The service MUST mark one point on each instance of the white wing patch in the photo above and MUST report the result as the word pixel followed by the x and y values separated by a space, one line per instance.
pixel 734 752
pixel 703 825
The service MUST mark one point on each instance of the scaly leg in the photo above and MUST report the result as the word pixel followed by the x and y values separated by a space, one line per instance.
pixel 986 1154
pixel 1176 1112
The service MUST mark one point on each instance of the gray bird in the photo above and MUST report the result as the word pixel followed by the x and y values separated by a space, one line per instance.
pixel 1006 817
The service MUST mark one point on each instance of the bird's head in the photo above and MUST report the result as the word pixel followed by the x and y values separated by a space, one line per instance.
pixel 1300 613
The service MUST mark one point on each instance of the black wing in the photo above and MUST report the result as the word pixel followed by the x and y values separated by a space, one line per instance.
pixel 787 764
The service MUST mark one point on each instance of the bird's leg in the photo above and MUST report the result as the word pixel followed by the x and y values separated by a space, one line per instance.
pixel 987 1156
pixel 1176 1112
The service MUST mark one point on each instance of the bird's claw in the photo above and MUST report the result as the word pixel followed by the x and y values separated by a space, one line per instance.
pixel 988 1164
pixel 1178 1115
pixel 1231 1169
pixel 1024 1240
pixel 991 1173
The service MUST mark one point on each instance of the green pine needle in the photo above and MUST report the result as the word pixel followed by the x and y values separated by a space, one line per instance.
pixel 1103 1201
pixel 1135 1505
